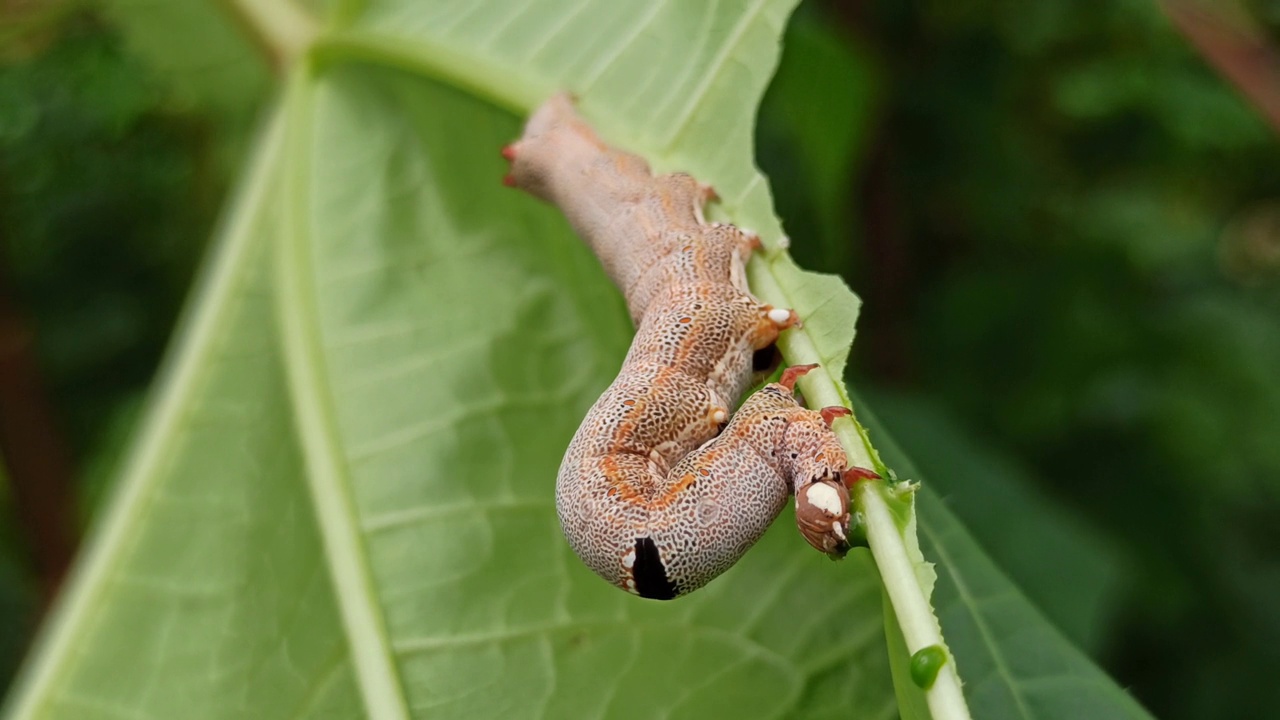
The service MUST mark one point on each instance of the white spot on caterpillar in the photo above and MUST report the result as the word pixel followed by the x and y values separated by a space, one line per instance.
pixel 779 316
pixel 825 498
pixel 719 416
pixel 838 529
pixel 629 560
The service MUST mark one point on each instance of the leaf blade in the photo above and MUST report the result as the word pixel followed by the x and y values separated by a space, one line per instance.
pixel 202 511
pixel 989 621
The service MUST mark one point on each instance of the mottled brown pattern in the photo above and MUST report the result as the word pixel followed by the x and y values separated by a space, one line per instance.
pixel 649 495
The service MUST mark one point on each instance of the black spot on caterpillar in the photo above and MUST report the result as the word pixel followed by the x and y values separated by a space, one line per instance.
pixel 650 573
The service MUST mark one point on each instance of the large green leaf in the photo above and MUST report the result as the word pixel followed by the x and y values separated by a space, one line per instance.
pixel 340 504
pixel 1070 570
pixel 1016 663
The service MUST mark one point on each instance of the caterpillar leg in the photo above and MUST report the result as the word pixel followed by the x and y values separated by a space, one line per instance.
pixel 782 318
pixel 829 414
pixel 709 194
pixel 794 373
pixel 682 199
pixel 855 474
pixel 770 321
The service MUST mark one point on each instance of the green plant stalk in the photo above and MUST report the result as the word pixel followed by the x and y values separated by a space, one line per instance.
pixel 893 543
pixel 508 88
pixel 280 29
pixel 363 623
pixel 897 555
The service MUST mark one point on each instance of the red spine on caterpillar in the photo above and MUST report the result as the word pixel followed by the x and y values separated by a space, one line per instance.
pixel 656 493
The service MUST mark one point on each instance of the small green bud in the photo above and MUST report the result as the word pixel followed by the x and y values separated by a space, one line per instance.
pixel 925 664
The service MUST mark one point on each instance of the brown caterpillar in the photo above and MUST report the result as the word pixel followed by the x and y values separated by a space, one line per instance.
pixel 656 493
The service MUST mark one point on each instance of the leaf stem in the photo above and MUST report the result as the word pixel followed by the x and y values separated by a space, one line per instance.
pixel 327 472
pixel 279 28
pixel 893 547
pixel 906 592
pixel 509 88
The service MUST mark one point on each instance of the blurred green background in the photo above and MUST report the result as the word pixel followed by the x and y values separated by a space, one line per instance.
pixel 1064 222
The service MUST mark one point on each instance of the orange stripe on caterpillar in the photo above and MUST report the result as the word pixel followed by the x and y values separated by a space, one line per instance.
pixel 651 494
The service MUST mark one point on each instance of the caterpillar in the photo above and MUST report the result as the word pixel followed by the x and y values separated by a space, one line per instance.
pixel 660 490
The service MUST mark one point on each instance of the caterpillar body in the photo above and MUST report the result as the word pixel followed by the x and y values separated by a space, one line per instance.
pixel 660 490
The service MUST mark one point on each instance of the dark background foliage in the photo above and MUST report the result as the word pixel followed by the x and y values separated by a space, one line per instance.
pixel 1064 223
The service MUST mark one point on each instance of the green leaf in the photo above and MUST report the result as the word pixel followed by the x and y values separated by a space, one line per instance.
pixel 1014 662
pixel 340 503
pixel 1068 569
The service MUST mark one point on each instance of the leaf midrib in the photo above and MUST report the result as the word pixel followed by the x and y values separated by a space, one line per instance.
pixel 372 654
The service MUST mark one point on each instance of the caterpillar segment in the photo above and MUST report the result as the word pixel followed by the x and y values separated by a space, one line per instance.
pixel 661 490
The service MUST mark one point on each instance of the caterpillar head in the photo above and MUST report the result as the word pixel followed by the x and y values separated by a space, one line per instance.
pixel 822 514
